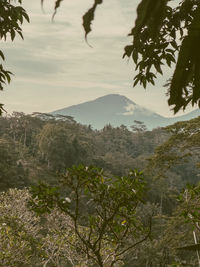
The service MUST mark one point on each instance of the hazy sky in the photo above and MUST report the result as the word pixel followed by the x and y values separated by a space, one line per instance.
pixel 55 68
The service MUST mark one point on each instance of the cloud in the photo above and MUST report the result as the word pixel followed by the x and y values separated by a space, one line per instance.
pixel 129 109
pixel 55 68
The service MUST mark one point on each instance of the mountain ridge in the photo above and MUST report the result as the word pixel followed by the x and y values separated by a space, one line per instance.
pixel 116 110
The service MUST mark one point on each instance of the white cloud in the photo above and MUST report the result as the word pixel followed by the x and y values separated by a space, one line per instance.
pixel 129 109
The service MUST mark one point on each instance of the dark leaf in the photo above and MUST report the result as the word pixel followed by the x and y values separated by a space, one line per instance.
pixel 89 17
pixel 57 4
pixel 2 55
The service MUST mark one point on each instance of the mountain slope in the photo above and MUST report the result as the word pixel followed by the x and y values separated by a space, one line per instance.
pixel 117 110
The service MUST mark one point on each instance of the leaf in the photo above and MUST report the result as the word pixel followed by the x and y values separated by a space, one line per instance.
pixel 173 33
pixel 149 12
pixel 135 57
pixel 137 79
pixel 1 109
pixel 144 82
pixel 2 55
pixel 21 35
pixel 57 5
pixel 170 57
pixel 158 68
pixel 128 50
pixel 7 77
pixel 174 44
pixel 88 17
pixel 12 34
pixel 42 3
pixel 25 15
pixel 180 76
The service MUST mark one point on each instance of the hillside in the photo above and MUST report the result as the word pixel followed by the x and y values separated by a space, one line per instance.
pixel 118 110
pixel 34 149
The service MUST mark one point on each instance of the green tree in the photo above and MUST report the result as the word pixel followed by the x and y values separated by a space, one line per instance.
pixel 61 145
pixel 183 144
pixel 18 230
pixel 11 171
pixel 55 145
pixel 11 18
pixel 174 163
pixel 103 211
pixel 182 231
pixel 28 240
pixel 138 127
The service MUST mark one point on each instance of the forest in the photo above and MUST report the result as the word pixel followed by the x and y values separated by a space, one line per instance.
pixel 74 196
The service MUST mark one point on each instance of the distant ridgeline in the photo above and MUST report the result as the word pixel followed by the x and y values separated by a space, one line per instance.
pixel 118 110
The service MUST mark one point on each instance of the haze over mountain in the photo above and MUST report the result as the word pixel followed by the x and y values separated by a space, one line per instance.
pixel 116 110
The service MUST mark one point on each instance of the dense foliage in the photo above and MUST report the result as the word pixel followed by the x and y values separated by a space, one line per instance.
pixel 116 217
pixel 12 17
pixel 105 206
pixel 48 145
pixel 41 147
pixel 161 33
pixel 35 149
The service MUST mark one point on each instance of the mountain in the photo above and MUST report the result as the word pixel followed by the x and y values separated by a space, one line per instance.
pixel 116 110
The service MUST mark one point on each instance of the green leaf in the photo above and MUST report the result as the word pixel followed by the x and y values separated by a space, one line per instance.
pixel 89 17
pixel 25 15
pixel 128 50
pixel 2 55
pixel 12 34
pixel 57 5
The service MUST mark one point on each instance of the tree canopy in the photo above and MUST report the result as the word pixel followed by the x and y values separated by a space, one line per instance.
pixel 11 18
pixel 107 206
pixel 40 148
